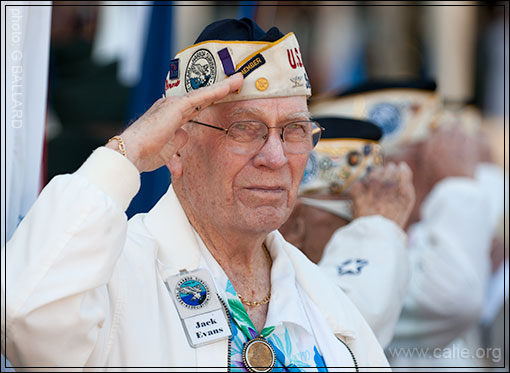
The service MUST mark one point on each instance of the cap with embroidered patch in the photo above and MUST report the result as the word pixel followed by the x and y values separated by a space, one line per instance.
pixel 347 151
pixel 271 62
pixel 406 111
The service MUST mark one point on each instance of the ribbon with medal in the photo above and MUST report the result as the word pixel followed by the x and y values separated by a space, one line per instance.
pixel 258 354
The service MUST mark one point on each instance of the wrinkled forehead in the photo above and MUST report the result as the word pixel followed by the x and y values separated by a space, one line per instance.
pixel 275 109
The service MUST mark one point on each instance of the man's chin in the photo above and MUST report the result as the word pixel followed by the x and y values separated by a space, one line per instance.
pixel 264 218
pixel 257 198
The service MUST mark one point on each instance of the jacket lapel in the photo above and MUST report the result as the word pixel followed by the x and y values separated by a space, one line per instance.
pixel 179 249
pixel 167 222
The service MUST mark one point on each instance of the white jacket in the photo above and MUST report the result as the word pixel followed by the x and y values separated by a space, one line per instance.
pixel 369 261
pixel 449 251
pixel 83 290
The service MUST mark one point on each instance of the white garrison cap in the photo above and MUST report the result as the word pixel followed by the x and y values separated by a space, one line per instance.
pixel 406 112
pixel 272 67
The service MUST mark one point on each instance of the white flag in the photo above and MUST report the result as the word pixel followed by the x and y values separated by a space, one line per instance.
pixel 25 50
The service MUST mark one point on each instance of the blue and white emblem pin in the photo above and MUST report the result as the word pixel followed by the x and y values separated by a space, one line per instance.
pixel 192 292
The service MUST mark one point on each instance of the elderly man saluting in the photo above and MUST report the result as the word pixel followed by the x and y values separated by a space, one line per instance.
pixel 203 279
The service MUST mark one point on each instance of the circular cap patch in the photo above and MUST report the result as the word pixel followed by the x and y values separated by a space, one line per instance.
pixel 201 70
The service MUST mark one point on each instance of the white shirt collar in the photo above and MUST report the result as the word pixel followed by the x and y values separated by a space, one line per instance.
pixel 286 304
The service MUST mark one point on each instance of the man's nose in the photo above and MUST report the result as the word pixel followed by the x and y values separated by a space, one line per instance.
pixel 272 153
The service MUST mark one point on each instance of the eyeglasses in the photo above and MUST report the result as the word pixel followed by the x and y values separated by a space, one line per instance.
pixel 247 137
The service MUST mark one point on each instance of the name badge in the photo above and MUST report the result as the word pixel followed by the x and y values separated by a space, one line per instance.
pixel 201 312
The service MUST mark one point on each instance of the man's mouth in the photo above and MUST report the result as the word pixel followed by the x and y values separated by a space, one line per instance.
pixel 266 189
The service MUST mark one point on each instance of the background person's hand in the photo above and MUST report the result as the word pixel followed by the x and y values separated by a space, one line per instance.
pixel 156 136
pixel 386 191
pixel 447 153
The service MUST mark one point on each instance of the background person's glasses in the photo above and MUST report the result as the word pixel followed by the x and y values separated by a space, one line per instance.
pixel 247 137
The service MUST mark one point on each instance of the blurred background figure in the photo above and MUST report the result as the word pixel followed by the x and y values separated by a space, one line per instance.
pixel 349 219
pixel 106 69
pixel 458 206
pixel 87 101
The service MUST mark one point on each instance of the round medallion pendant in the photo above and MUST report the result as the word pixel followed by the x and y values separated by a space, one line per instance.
pixel 258 355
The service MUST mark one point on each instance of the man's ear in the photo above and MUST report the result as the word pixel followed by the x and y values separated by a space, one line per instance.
pixel 175 162
pixel 174 165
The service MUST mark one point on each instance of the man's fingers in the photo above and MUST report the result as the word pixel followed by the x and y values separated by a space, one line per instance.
pixel 356 189
pixel 157 135
pixel 406 174
pixel 196 101
pixel 390 175
pixel 406 186
pixel 375 174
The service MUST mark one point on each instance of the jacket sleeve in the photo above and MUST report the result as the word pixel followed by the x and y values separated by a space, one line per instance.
pixel 449 250
pixel 59 261
pixel 368 260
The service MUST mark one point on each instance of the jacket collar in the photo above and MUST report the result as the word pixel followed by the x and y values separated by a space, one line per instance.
pixel 168 223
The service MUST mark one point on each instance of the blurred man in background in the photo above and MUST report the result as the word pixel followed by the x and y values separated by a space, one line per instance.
pixel 458 205
pixel 345 193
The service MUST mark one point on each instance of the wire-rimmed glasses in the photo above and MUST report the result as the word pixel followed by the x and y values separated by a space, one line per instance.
pixel 247 137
